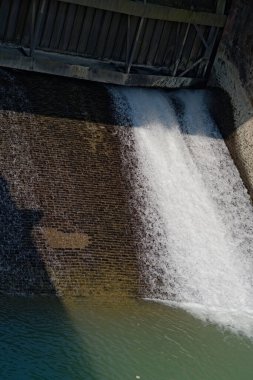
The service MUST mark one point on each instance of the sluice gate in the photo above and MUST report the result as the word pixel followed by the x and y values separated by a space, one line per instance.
pixel 162 43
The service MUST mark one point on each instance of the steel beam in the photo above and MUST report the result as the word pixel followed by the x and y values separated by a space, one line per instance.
pixel 88 69
pixel 32 30
pixel 221 6
pixel 36 23
pixel 192 66
pixel 200 34
pixel 211 42
pixel 181 51
pixel 128 40
pixel 154 11
pixel 130 61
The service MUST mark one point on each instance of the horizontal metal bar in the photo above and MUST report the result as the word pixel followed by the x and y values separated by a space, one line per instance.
pixel 62 65
pixel 154 11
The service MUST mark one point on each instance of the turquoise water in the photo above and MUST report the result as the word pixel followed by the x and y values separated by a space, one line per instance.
pixel 45 338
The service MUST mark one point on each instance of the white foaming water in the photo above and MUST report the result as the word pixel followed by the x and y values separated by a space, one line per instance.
pixel 197 241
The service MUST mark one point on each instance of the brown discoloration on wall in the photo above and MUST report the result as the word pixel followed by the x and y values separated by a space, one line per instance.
pixel 233 71
pixel 64 190
pixel 65 240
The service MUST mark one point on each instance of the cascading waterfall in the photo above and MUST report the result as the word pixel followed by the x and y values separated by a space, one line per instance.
pixel 197 218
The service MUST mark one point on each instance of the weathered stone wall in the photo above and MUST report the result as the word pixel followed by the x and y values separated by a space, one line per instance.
pixel 64 221
pixel 233 71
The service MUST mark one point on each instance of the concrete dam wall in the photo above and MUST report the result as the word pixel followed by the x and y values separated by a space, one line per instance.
pixel 233 71
pixel 65 224
pixel 104 189
pixel 116 192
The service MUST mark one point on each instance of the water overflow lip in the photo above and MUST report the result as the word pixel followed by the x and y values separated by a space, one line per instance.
pixel 197 218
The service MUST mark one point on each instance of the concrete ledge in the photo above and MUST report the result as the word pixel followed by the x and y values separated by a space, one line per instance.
pixel 88 69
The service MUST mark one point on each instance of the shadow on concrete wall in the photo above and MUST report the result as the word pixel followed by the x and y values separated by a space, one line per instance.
pixel 89 101
pixel 21 268
pixel 54 96
pixel 221 110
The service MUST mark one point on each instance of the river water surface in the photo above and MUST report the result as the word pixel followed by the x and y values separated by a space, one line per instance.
pixel 43 338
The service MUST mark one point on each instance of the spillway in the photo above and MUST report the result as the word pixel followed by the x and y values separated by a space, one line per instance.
pixel 193 214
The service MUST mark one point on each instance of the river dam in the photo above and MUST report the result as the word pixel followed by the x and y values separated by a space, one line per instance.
pixel 178 225
pixel 126 214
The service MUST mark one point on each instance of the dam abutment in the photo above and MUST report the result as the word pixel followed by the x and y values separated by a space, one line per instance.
pixel 233 72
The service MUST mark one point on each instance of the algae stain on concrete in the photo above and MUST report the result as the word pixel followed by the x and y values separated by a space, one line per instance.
pixel 65 240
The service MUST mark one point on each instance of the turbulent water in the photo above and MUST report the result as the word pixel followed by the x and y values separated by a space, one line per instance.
pixel 196 238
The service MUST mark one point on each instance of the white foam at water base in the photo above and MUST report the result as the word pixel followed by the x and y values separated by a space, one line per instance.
pixel 197 244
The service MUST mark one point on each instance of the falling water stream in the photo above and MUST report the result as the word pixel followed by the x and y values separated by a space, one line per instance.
pixel 197 240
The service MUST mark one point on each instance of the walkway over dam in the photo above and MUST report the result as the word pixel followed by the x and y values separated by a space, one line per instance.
pixel 162 43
